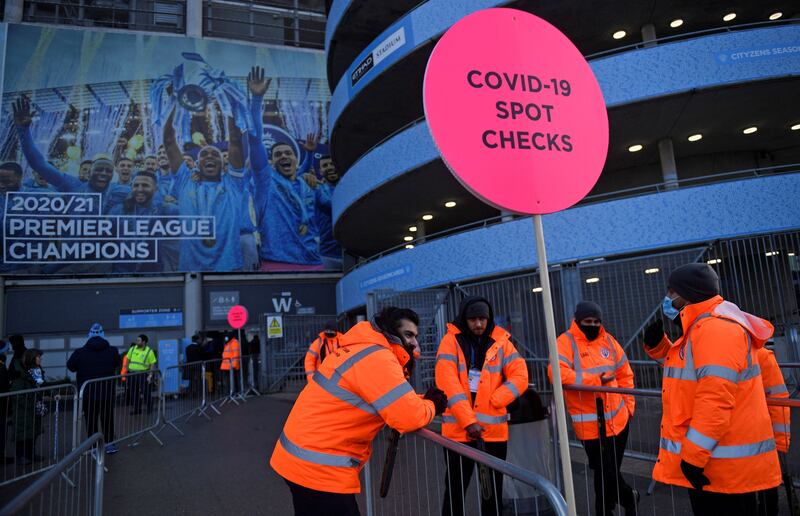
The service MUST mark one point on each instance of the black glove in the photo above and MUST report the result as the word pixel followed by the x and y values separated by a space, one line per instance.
pixel 653 334
pixel 438 398
pixel 694 475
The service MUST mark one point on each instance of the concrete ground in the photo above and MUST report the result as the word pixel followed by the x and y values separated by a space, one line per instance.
pixel 217 467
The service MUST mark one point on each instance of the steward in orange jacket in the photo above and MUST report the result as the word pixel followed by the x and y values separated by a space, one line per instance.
pixel 324 345
pixel 774 387
pixel 231 355
pixel 481 372
pixel 328 436
pixel 716 432
pixel 588 355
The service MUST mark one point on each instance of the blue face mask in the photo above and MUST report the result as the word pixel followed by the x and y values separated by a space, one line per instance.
pixel 668 309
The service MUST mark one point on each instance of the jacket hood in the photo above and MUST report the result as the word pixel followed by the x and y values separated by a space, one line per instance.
pixel 760 330
pixel 97 344
pixel 367 333
pixel 461 320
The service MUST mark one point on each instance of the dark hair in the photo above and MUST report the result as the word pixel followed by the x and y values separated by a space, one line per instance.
pixel 390 317
pixel 124 158
pixel 17 343
pixel 144 337
pixel 86 162
pixel 325 156
pixel 12 166
pixel 29 358
pixel 146 173
pixel 150 156
pixel 278 144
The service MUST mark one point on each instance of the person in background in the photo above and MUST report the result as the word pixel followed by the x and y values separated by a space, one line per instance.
pixel 481 372
pixel 28 408
pixel 232 358
pixel 84 170
pixel 589 355
pixel 140 359
pixel 5 385
pixel 15 368
pixel 124 171
pixel 97 359
pixel 717 439
pixel 774 387
pixel 324 345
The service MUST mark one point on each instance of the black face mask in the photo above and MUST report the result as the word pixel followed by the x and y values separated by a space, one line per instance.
pixel 591 332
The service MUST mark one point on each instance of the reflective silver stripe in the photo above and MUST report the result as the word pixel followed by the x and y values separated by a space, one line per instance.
pixel 726 373
pixel 750 373
pixel 462 368
pixel 313 353
pixel 776 389
pixel 350 362
pixel 310 372
pixel 621 362
pixel 332 387
pixel 584 418
pixel 670 445
pixel 701 440
pixel 455 399
pixel 679 373
pixel 393 395
pixel 600 369
pixel 510 358
pixel 784 429
pixel 493 369
pixel 447 356
pixel 565 360
pixel 513 389
pixel 577 357
pixel 324 459
pixel 449 419
pixel 740 451
pixel 491 420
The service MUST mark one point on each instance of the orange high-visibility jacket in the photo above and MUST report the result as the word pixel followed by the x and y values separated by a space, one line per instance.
pixel 231 355
pixel 503 378
pixel 328 436
pixel 319 349
pixel 583 363
pixel 774 387
pixel 714 409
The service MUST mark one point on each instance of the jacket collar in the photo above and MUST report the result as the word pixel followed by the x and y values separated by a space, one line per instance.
pixel 576 332
pixel 691 312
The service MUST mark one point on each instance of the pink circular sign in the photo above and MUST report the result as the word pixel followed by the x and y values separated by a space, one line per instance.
pixel 516 111
pixel 237 317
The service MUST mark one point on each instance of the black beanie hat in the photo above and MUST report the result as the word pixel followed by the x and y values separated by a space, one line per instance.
pixel 477 309
pixel 331 325
pixel 588 309
pixel 694 282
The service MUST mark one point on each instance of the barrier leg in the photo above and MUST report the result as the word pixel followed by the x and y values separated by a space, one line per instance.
pixel 231 393
pixel 251 379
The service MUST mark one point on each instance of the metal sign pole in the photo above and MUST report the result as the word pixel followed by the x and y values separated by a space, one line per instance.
pixel 558 389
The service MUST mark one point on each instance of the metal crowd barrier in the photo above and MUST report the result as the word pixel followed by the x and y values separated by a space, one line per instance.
pixel 641 453
pixel 36 430
pixel 479 483
pixel 121 406
pixel 72 487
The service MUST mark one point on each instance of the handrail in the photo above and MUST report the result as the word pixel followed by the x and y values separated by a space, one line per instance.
pixel 597 198
pixel 506 468
pixel 689 35
pixel 18 503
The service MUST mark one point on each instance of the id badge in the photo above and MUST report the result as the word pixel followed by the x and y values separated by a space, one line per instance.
pixel 474 378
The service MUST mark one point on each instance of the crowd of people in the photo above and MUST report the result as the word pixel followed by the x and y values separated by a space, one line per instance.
pixel 100 369
pixel 272 206
pixel 719 438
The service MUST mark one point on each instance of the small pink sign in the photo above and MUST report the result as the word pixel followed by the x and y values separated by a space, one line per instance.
pixel 516 111
pixel 237 317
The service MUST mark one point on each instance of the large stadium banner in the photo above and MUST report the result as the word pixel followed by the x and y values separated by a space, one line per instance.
pixel 135 153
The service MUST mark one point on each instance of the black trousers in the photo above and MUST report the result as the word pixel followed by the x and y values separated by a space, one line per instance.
pixel 309 502
pixel 139 390
pixel 610 487
pixel 458 474
pixel 706 503
pixel 102 410
pixel 768 502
